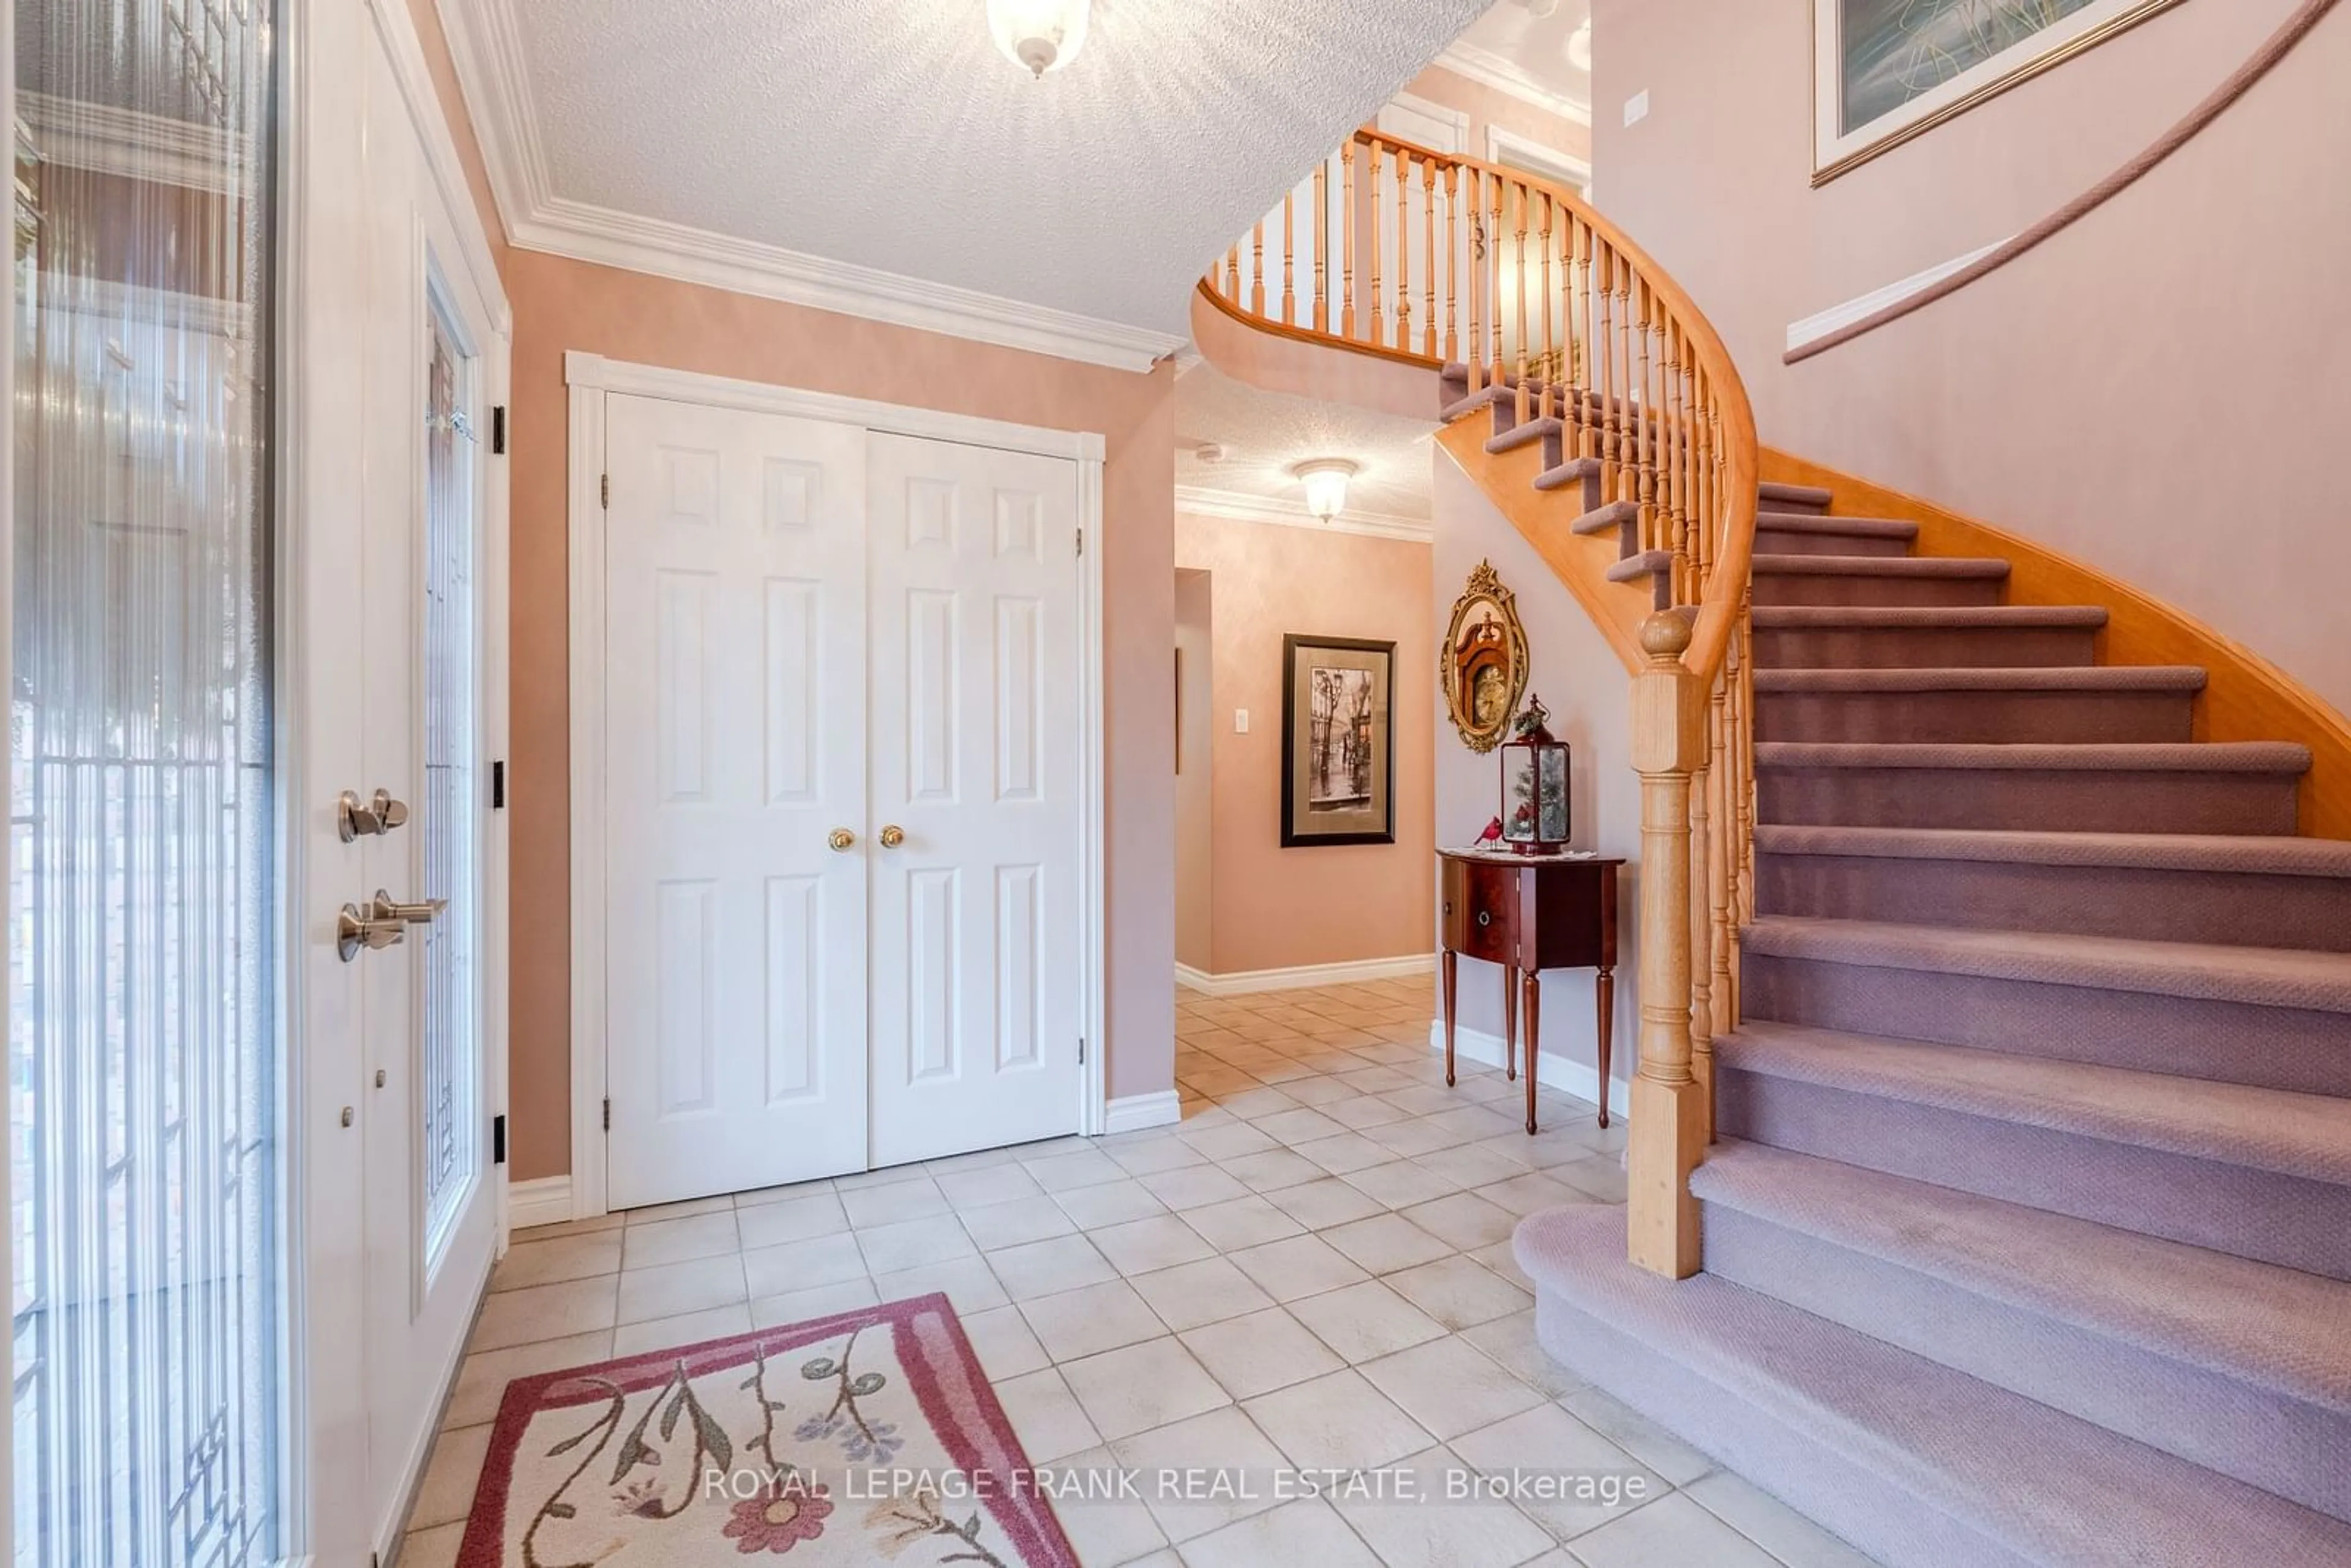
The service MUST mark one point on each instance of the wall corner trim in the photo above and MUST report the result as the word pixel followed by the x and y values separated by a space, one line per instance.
pixel 1134 1112
pixel 1564 1073
pixel 546 1201
pixel 1413 966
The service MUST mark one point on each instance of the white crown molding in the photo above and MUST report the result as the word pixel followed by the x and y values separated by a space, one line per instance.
pixel 1237 507
pixel 1564 1073
pixel 1305 976
pixel 1837 318
pixel 485 44
pixel 1505 75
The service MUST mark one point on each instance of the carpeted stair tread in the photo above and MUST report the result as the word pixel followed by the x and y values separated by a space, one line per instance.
pixel 2264 756
pixel 1901 566
pixel 1526 435
pixel 1976 678
pixel 2273 1130
pixel 1606 519
pixel 1814 523
pixel 2279 1329
pixel 1932 617
pixel 2049 1487
pixel 1644 564
pixel 1792 494
pixel 2251 977
pixel 2135 851
pixel 1574 471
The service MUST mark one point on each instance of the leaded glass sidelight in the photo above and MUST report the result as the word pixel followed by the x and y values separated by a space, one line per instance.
pixel 141 1061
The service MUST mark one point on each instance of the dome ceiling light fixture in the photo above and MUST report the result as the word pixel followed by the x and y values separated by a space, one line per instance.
pixel 1038 36
pixel 1578 47
pixel 1325 479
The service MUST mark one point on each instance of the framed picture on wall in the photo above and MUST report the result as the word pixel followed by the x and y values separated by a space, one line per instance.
pixel 1338 741
pixel 1887 70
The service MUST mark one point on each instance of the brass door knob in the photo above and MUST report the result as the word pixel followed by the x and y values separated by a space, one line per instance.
pixel 892 836
pixel 841 839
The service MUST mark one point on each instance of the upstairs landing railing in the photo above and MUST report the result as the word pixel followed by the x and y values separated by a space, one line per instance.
pixel 1517 290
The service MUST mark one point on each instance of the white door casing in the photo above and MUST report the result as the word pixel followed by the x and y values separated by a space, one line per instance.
pixel 598 385
pixel 974 761
pixel 735 745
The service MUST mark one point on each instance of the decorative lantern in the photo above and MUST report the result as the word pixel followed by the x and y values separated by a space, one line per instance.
pixel 1534 786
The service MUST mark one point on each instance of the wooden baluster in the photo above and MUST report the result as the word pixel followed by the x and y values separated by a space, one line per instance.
pixel 1700 998
pixel 1668 1132
pixel 1494 298
pixel 1257 269
pixel 1322 246
pixel 1526 329
pixel 1544 295
pixel 1628 445
pixel 1428 221
pixel 1746 839
pixel 1374 305
pixel 1713 892
pixel 1473 338
pixel 1288 258
pixel 1645 427
pixel 1347 241
pixel 1580 335
pixel 1452 349
pixel 1719 875
pixel 1403 251
pixel 1686 556
pixel 1604 377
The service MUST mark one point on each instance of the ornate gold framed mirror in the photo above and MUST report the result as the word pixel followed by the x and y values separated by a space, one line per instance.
pixel 1483 665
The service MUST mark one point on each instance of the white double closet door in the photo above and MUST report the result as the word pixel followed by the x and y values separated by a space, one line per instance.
pixel 842 824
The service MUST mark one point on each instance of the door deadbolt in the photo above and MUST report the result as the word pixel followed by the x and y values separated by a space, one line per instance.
pixel 378 814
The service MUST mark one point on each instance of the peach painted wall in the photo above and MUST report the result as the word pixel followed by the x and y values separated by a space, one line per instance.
pixel 1275 909
pixel 1195 769
pixel 2159 391
pixel 1582 683
pixel 561 304
pixel 1488 106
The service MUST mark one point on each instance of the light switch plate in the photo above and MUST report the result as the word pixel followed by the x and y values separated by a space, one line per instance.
pixel 1240 721
pixel 1636 108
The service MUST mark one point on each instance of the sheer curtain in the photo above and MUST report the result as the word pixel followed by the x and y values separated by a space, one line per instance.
pixel 142 1072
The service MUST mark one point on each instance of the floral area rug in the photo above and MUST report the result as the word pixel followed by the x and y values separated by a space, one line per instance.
pixel 868 1437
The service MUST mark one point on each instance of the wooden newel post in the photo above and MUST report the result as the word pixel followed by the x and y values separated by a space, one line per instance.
pixel 1669 1129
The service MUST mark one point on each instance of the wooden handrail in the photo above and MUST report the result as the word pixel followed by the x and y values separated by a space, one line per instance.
pixel 1555 314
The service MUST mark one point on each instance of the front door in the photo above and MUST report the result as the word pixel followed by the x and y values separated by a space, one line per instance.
pixel 419 821
pixel 735 757
pixel 976 789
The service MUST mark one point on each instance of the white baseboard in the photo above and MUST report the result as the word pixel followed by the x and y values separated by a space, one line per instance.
pixel 1414 967
pixel 1837 318
pixel 546 1201
pixel 1132 1112
pixel 1564 1073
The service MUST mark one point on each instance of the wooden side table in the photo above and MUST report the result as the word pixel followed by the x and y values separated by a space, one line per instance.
pixel 1528 915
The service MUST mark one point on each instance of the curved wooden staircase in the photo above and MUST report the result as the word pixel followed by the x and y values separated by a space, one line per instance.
pixel 1996 1046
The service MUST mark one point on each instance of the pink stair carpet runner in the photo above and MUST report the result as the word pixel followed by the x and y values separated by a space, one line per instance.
pixel 2028 1233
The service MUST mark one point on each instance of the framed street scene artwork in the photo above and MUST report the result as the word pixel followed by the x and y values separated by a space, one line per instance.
pixel 1338 741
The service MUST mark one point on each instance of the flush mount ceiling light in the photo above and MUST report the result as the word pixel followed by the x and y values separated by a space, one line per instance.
pixel 1578 47
pixel 1038 36
pixel 1325 479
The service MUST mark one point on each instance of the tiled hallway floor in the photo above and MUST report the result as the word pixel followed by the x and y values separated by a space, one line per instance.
pixel 1312 1269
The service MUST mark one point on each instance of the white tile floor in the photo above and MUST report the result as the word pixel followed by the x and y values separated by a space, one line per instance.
pixel 1312 1269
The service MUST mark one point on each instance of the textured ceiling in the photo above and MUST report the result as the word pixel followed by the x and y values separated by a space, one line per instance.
pixel 1264 433
pixel 1537 45
pixel 890 133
